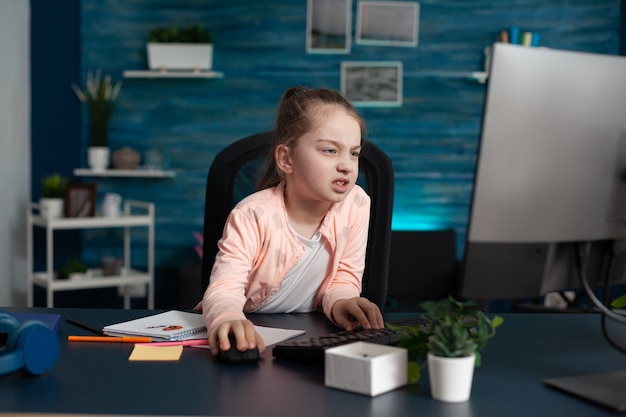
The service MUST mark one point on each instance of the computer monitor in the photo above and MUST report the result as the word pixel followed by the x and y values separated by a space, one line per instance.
pixel 550 173
pixel 550 182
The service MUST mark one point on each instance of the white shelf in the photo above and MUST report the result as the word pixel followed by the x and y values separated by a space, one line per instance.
pixel 94 279
pixel 66 223
pixel 479 76
pixel 172 74
pixel 136 173
pixel 129 281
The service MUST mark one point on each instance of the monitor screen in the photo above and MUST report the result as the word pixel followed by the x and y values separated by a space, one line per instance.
pixel 550 172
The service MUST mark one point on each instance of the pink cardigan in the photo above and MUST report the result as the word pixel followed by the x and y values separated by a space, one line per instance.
pixel 258 248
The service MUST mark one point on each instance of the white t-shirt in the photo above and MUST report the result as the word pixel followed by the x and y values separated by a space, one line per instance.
pixel 299 289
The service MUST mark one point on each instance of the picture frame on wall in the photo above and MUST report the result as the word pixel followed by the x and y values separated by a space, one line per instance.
pixel 390 23
pixel 80 200
pixel 372 83
pixel 328 26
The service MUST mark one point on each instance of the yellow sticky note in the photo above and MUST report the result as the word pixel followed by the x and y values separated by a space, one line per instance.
pixel 155 353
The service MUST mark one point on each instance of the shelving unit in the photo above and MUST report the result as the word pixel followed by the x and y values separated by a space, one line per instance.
pixel 135 214
pixel 137 173
pixel 171 74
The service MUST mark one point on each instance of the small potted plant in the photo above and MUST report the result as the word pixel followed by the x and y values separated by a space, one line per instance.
pixel 52 194
pixel 73 268
pixel 99 95
pixel 450 344
pixel 187 48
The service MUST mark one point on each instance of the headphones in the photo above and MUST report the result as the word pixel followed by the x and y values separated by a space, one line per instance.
pixel 30 346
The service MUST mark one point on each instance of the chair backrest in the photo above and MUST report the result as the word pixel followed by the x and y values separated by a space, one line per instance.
pixel 233 175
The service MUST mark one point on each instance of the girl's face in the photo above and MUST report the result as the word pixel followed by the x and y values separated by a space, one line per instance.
pixel 323 166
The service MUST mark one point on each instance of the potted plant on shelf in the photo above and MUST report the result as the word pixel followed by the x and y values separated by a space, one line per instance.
pixel 52 194
pixel 188 48
pixel 450 344
pixel 99 95
pixel 73 269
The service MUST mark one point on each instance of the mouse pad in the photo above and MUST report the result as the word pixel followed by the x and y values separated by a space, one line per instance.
pixel 604 389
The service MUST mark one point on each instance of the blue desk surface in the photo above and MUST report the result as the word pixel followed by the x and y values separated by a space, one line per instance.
pixel 97 378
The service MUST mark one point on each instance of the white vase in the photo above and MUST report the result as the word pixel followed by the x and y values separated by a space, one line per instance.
pixel 51 208
pixel 98 158
pixel 451 378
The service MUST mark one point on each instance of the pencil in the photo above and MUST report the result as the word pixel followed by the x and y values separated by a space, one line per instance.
pixel 124 339
pixel 84 326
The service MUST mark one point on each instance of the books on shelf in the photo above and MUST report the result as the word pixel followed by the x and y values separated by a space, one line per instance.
pixel 171 325
pixel 515 36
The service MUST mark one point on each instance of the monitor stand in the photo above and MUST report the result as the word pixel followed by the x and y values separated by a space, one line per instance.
pixel 605 389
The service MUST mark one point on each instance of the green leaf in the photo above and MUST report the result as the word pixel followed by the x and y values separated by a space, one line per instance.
pixel 413 372
pixel 619 302
pixel 497 320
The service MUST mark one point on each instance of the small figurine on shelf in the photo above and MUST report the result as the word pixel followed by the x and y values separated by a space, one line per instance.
pixel 111 205
pixel 126 158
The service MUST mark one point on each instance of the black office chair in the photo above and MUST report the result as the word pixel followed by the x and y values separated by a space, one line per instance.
pixel 235 171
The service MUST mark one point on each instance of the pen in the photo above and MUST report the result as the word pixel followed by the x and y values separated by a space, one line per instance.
pixel 194 342
pixel 124 339
pixel 84 326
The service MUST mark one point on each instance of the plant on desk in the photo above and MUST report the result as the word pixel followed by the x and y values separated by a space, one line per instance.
pixel 456 334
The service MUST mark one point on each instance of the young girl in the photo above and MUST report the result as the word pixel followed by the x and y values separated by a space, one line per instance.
pixel 298 244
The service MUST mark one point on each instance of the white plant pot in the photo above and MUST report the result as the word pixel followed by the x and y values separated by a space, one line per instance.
pixel 98 158
pixel 51 208
pixel 451 378
pixel 180 56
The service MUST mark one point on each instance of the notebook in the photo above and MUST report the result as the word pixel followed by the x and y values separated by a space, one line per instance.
pixel 171 325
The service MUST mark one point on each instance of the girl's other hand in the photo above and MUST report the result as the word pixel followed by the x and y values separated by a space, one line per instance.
pixel 357 311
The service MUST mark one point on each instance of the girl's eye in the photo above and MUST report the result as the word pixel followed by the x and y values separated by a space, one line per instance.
pixel 329 151
pixel 356 154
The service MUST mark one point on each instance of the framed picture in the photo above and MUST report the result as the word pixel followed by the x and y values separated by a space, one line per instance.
pixel 80 200
pixel 328 26
pixel 372 84
pixel 393 23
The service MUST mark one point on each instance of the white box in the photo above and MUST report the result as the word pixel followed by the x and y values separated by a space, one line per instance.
pixel 366 368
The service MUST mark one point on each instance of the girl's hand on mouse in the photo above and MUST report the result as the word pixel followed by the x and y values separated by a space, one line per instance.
pixel 245 334
pixel 357 311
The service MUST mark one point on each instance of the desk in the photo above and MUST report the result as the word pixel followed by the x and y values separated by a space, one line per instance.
pixel 97 378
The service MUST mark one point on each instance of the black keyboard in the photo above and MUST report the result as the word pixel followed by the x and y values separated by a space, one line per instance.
pixel 313 349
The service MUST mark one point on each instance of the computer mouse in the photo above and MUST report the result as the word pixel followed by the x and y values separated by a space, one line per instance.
pixel 233 356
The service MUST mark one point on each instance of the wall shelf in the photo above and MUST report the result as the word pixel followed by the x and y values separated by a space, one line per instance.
pixel 479 76
pixel 136 173
pixel 171 74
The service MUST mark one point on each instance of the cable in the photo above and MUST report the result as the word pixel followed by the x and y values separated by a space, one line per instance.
pixel 596 302
pixel 608 338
